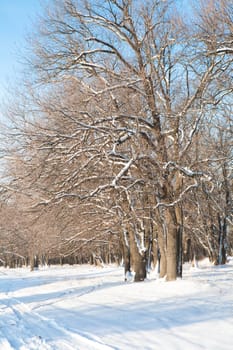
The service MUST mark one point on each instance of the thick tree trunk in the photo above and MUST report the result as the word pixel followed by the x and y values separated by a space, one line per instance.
pixel 180 251
pixel 171 257
pixel 179 220
pixel 162 263
pixel 34 262
pixel 171 251
pixel 155 253
pixel 162 269
pixel 139 268
pixel 138 259
pixel 188 252
pixel 126 253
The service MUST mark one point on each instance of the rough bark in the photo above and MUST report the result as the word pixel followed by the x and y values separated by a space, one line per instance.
pixel 126 254
pixel 171 251
pixel 138 258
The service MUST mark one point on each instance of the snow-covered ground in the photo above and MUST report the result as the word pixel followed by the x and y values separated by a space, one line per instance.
pixel 83 307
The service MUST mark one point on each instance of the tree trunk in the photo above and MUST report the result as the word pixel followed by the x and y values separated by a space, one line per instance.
pixel 162 269
pixel 188 254
pixel 138 258
pixel 155 252
pixel 34 262
pixel 126 253
pixel 162 263
pixel 171 244
pixel 180 251
pixel 222 238
pixel 139 268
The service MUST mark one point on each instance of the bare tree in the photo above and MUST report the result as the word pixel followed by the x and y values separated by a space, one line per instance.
pixel 124 89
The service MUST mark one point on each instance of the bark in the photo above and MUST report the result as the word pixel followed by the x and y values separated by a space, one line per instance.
pixel 34 262
pixel 162 263
pixel 222 241
pixel 138 258
pixel 179 218
pixel 126 253
pixel 162 269
pixel 139 267
pixel 155 252
pixel 148 241
pixel 188 251
pixel 180 251
pixel 171 251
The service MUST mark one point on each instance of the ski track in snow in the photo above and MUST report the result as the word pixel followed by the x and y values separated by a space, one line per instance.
pixel 86 308
pixel 24 329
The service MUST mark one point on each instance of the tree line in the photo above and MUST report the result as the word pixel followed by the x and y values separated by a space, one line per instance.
pixel 118 144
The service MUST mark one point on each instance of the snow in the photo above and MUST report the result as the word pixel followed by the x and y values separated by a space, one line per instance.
pixel 91 308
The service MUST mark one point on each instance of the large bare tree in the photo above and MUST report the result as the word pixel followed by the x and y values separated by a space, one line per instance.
pixel 122 89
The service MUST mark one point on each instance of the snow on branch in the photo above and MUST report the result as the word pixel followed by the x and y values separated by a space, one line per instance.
pixel 187 189
pixel 222 50
pixel 191 134
pixel 186 171
pixel 122 172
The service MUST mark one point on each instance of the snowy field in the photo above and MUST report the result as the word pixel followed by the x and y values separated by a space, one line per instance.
pixel 83 307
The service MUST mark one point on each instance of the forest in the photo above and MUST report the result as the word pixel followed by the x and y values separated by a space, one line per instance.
pixel 116 145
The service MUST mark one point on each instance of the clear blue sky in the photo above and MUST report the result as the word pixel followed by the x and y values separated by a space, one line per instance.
pixel 16 18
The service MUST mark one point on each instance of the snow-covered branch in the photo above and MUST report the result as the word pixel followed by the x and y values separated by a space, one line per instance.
pixel 179 199
pixel 122 172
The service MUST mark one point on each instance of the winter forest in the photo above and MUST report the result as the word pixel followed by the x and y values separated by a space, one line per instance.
pixel 116 144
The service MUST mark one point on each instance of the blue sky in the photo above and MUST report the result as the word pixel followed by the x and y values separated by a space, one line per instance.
pixel 16 18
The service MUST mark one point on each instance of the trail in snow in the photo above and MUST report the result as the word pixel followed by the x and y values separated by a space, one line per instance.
pixel 86 308
pixel 24 329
